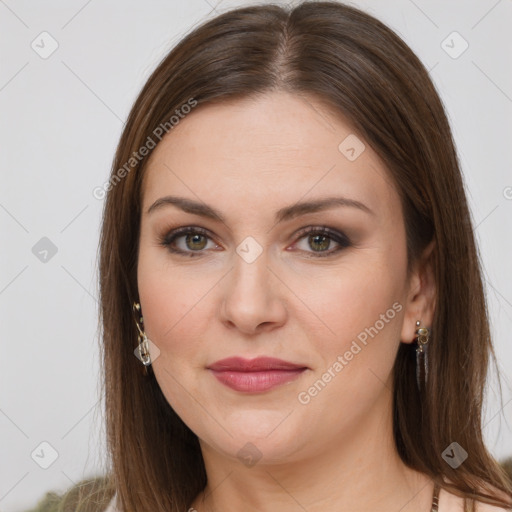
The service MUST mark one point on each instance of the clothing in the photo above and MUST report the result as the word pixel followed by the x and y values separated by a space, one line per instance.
pixel 112 507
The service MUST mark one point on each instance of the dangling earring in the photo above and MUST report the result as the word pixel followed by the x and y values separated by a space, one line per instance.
pixel 143 347
pixel 422 339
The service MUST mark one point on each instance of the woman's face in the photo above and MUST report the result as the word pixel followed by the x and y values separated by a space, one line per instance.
pixel 243 278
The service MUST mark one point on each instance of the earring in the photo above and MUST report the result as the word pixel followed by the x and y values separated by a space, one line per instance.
pixel 422 339
pixel 143 339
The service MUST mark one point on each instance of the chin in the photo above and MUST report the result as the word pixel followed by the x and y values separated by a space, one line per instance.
pixel 259 437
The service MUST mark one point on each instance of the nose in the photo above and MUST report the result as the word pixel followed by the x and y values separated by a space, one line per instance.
pixel 253 299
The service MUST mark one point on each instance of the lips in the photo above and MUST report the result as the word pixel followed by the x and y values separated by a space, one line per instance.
pixel 239 364
pixel 255 375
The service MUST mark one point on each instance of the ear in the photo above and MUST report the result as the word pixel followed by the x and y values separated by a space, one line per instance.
pixel 421 296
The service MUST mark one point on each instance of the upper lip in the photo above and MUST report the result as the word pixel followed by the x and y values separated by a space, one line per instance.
pixel 239 364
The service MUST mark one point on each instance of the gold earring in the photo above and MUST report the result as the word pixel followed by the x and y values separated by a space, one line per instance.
pixel 422 340
pixel 143 347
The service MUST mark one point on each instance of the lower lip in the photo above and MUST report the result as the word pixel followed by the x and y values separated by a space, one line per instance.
pixel 256 381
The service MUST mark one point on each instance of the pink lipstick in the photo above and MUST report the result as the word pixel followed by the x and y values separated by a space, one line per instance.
pixel 255 375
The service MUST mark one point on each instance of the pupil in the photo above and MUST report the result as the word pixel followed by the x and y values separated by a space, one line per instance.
pixel 321 240
pixel 195 241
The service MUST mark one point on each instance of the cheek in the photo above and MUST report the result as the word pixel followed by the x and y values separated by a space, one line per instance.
pixel 172 308
pixel 174 317
pixel 172 300
pixel 363 308
pixel 359 299
pixel 365 314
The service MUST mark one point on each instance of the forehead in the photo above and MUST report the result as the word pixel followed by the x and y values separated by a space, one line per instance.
pixel 277 147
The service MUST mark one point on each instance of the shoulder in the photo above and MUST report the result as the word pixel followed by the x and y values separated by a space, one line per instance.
pixel 93 495
pixel 449 502
pixel 485 507
pixel 112 506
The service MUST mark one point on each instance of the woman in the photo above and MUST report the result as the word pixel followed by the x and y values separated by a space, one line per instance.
pixel 292 305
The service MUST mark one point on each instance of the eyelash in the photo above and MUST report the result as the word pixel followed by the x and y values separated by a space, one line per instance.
pixel 336 236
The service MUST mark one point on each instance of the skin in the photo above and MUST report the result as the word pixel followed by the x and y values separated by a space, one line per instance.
pixel 248 159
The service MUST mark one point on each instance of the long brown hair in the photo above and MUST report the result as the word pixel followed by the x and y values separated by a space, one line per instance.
pixel 362 70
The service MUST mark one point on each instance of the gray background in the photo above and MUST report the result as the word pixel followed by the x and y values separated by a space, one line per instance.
pixel 61 119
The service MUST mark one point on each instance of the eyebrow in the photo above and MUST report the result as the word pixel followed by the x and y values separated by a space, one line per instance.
pixel 286 213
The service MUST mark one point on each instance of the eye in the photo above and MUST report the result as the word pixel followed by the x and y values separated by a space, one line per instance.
pixel 320 239
pixel 192 241
pixel 187 241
